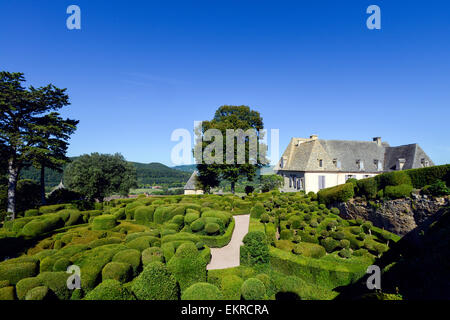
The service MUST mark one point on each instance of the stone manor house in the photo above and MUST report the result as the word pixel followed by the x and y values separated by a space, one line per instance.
pixel 314 164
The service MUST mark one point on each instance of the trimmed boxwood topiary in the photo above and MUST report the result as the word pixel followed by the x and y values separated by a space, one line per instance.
pixel 110 290
pixel 400 191
pixel 255 249
pixel 31 213
pixel 155 283
pixel 14 272
pixel 329 244
pixel 25 285
pixel 120 271
pixel 61 264
pixel 143 243
pixel 104 222
pixel 152 254
pixel 286 234
pixel 57 283
pixel 7 293
pixel 265 218
pixel 202 291
pixel 131 256
pixel 187 265
pixel 253 289
pixel 197 225
pixel 212 228
pixel 191 216
pixel 39 293
pixel 311 250
pixel 231 287
pixel 144 214
pixel 257 210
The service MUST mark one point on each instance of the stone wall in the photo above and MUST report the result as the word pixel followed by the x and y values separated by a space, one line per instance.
pixel 398 216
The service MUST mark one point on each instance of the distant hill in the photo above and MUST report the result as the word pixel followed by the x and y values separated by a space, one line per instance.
pixel 186 168
pixel 148 174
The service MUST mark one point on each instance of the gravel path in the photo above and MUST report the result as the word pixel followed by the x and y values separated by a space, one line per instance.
pixel 228 256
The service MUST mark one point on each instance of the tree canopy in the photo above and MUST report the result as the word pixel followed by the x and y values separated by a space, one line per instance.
pixel 97 176
pixel 30 129
pixel 220 155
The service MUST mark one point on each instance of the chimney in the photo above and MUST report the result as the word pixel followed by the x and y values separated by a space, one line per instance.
pixel 377 140
pixel 313 137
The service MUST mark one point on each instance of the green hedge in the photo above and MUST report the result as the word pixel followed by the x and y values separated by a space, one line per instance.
pixel 38 293
pixel 120 271
pixel 104 222
pixel 231 287
pixel 187 266
pixel 152 254
pixel 202 291
pixel 253 289
pixel 155 283
pixel 340 193
pixel 425 176
pixel 400 191
pixel 14 272
pixel 255 249
pixel 110 290
pixel 328 274
pixel 130 256
pixel 144 214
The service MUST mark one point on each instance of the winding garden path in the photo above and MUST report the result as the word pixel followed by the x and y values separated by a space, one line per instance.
pixel 228 256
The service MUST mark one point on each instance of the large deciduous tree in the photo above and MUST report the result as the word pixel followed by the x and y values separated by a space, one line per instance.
pixel 22 112
pixel 97 176
pixel 226 119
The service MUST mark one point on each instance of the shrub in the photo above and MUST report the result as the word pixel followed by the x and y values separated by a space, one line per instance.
pixel 40 226
pixel 296 222
pixel 75 217
pixel 212 228
pixel 345 253
pixel 25 285
pixel 13 272
pixel 144 214
pixel 286 234
pixel 335 211
pixel 31 213
pixel 61 264
pixel 367 226
pixel 155 283
pixel 255 249
pixel 120 271
pixel 191 216
pixel 143 243
pixel 257 210
pixel 253 289
pixel 223 216
pixel 104 241
pixel 202 291
pixel 265 218
pixel 231 287
pixel 131 256
pixel 427 176
pixel 338 235
pixel 249 189
pixel 340 193
pixel 329 244
pixel 394 178
pixel 399 191
pixel 57 283
pixel 7 293
pixel 104 222
pixel 110 290
pixel 311 250
pixel 367 187
pixel 187 266
pixel 63 196
pixel 38 293
pixel 152 254
pixel 197 225
pixel 436 189
pixel 344 243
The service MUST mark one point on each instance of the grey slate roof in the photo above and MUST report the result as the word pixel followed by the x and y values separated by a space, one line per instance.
pixel 304 155
pixel 190 185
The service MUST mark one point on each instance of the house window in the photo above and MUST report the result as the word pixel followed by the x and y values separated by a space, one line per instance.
pixel 400 164
pixel 425 163
pixel 379 165
pixel 360 164
pixel 366 176
pixel 320 163
pixel 281 163
pixel 337 163
pixel 321 182
pixel 349 176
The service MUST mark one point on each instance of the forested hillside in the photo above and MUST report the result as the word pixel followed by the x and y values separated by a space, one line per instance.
pixel 148 174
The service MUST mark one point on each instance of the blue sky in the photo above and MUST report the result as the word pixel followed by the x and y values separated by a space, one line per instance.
pixel 137 70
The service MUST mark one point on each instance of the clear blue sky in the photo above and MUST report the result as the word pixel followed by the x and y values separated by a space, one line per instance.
pixel 140 69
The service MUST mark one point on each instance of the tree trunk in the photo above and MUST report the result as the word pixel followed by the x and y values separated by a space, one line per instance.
pixel 13 172
pixel 42 184
pixel 232 187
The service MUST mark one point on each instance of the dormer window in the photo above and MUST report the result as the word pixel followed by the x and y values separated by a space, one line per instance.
pixel 360 164
pixel 424 162
pixel 379 164
pixel 337 163
pixel 321 163
pixel 400 163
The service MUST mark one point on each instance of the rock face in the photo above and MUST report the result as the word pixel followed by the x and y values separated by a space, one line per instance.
pixel 398 216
